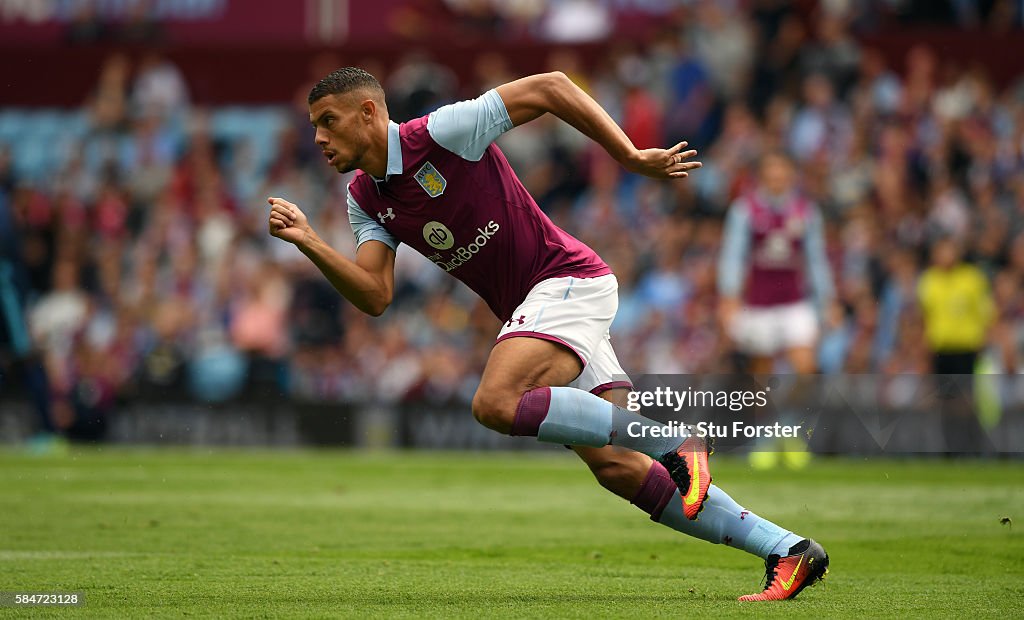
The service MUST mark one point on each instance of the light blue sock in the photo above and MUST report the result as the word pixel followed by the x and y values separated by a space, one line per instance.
pixel 578 418
pixel 723 521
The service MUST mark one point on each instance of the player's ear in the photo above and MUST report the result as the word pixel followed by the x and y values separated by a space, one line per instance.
pixel 368 109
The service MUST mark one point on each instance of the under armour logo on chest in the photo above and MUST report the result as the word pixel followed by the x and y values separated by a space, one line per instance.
pixel 521 320
pixel 383 217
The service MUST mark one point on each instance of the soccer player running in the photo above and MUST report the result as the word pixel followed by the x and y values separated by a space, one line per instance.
pixel 440 185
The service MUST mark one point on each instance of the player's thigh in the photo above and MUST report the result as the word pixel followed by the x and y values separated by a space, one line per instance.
pixel 524 363
pixel 517 365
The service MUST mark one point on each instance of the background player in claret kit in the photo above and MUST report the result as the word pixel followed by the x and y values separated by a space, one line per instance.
pixel 775 288
pixel 773 248
pixel 440 185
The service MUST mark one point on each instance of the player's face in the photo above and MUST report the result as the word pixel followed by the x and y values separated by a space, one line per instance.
pixel 342 132
pixel 777 175
pixel 945 253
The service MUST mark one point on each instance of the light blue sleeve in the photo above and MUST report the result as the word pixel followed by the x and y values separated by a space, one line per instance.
pixel 467 128
pixel 735 247
pixel 818 271
pixel 366 228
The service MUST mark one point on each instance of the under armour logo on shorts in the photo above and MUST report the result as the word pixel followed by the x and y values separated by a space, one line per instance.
pixel 521 320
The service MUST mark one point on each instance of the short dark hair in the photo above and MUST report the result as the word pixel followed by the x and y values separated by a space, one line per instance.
pixel 344 80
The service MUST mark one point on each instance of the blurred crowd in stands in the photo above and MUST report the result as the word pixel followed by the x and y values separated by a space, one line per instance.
pixel 141 218
pixel 573 21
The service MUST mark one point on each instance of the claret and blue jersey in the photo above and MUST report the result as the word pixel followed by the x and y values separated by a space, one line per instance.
pixel 773 248
pixel 450 194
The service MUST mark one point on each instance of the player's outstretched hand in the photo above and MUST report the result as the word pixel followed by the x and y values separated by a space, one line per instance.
pixel 287 221
pixel 670 163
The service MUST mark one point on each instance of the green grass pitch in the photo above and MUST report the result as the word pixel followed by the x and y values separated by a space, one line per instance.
pixel 174 533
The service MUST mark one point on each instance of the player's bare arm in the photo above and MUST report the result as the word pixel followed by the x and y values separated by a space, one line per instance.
pixel 367 283
pixel 531 97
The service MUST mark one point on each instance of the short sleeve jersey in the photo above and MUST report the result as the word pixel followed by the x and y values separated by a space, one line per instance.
pixel 450 193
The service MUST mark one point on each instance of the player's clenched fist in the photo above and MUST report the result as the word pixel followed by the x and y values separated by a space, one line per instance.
pixel 287 221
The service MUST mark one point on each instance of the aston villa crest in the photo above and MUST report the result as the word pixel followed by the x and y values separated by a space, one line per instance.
pixel 431 180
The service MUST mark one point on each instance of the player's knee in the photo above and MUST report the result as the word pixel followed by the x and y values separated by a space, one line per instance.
pixel 495 410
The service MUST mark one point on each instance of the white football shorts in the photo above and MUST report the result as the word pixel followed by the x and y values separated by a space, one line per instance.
pixel 574 312
pixel 769 330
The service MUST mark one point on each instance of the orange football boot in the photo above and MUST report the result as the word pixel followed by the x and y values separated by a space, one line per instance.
pixel 688 466
pixel 786 576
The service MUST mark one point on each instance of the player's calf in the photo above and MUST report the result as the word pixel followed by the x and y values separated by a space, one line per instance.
pixel 570 416
pixel 620 471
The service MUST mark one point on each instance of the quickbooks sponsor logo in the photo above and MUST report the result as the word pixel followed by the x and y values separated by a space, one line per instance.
pixel 462 255
pixel 438 235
